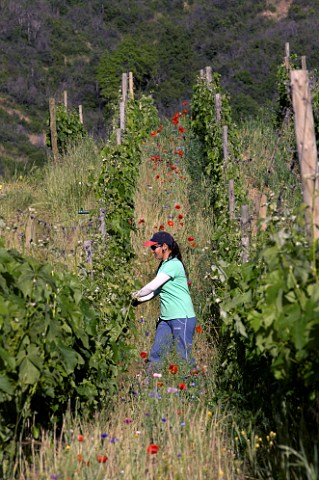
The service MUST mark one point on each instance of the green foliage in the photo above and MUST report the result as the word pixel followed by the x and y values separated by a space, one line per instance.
pixel 117 182
pixel 130 56
pixel 54 347
pixel 269 336
pixel 209 130
pixel 69 128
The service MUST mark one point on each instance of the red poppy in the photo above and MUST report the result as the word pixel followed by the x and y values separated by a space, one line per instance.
pixel 160 384
pixel 173 167
pixel 130 222
pixel 101 458
pixel 185 103
pixel 153 159
pixel 177 207
pixel 158 156
pixel 141 220
pixel 199 329
pixel 173 369
pixel 170 223
pixel 193 244
pixel 152 448
pixel 180 216
pixel 181 224
pixel 143 354
pixel 80 438
pixel 154 134
pixel 181 153
pixel 162 227
pixel 182 386
pixel 189 282
pixel 181 129
pixel 185 111
pixel 155 226
pixel 190 239
pixel 157 177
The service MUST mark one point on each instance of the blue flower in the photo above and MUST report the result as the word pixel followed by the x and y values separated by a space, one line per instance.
pixel 163 419
pixel 104 435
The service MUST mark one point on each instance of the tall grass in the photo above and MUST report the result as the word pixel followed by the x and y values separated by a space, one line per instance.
pixel 53 197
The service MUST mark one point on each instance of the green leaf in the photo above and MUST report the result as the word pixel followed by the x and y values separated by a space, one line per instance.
pixel 6 385
pixel 28 372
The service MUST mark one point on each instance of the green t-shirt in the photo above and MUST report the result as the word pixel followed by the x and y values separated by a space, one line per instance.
pixel 174 295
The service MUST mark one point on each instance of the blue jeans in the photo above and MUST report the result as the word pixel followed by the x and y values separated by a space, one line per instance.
pixel 178 331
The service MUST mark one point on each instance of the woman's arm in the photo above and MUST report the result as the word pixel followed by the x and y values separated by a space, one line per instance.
pixel 151 287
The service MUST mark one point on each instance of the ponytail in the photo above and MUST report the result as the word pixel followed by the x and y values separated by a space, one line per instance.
pixel 176 253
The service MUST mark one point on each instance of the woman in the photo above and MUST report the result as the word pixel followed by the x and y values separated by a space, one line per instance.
pixel 177 319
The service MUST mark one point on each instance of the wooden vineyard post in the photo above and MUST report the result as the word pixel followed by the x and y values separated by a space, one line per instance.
pixel 30 231
pixel 287 56
pixel 102 222
pixel 131 85
pixel 53 131
pixel 122 116
pixel 307 149
pixel 263 212
pixel 201 74
pixel 231 200
pixel 218 107
pixel 225 144
pixel 303 63
pixel 65 99
pixel 244 225
pixel 124 87
pixel 118 136
pixel 209 76
pixel 87 246
pixel 81 114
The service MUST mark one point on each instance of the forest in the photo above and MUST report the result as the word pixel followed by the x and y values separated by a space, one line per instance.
pixel 83 47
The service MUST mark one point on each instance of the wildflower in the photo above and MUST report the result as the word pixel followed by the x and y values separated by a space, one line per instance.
pixel 143 354
pixel 177 207
pixel 164 420
pixel 182 386
pixel 185 111
pixel 181 224
pixel 154 134
pixel 157 375
pixel 185 103
pixel 181 129
pixel 193 244
pixel 80 438
pixel 189 282
pixel 180 216
pixel 153 159
pixel 170 223
pixel 190 239
pixel 67 447
pixel 171 390
pixel 160 384
pixel 141 220
pixel 101 458
pixel 209 413
pixel 157 177
pixel 199 329
pixel 183 424
pixel 173 369
pixel 152 448
pixel 137 433
pixel 128 421
pixel 162 227
pixel 104 435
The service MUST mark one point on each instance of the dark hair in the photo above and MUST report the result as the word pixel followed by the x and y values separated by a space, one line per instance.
pixel 176 253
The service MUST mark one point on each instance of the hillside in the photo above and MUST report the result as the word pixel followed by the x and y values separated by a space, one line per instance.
pixel 51 46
